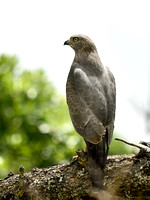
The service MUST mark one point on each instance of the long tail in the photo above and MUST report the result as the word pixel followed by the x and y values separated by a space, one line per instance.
pixel 97 156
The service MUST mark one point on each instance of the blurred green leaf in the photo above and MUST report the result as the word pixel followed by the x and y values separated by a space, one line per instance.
pixel 35 127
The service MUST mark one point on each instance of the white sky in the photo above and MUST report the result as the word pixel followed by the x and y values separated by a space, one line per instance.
pixel 35 31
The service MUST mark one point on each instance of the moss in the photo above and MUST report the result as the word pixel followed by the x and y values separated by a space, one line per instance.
pixel 126 176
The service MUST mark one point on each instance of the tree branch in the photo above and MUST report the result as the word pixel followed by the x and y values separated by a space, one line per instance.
pixel 126 176
pixel 131 144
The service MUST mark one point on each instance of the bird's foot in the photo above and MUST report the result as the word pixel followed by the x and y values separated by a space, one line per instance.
pixel 75 158
pixel 79 154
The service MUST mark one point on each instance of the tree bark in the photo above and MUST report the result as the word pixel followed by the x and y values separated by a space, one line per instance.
pixel 126 177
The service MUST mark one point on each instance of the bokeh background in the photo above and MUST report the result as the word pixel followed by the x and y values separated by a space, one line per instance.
pixel 35 127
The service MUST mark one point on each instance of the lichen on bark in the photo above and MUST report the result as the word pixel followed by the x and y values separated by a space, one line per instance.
pixel 126 177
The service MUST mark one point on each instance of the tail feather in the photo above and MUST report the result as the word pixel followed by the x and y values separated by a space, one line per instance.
pixel 97 156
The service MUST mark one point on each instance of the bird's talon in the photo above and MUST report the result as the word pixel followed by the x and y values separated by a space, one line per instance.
pixel 75 158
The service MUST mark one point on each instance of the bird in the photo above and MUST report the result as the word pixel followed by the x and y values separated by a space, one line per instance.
pixel 91 99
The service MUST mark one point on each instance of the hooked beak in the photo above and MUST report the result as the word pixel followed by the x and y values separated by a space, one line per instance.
pixel 67 42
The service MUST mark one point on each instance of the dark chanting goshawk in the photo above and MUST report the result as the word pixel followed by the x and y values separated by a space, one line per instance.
pixel 91 98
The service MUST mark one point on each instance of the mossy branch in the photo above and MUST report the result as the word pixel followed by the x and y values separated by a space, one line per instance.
pixel 126 177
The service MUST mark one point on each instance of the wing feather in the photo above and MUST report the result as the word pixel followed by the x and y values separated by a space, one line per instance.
pixel 87 103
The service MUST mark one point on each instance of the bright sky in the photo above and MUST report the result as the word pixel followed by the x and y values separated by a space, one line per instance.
pixel 35 31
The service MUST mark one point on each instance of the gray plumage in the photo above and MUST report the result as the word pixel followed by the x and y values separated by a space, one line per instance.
pixel 91 98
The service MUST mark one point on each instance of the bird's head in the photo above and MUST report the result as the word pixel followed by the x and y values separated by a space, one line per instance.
pixel 81 43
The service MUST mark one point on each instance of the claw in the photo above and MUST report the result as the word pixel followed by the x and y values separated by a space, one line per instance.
pixel 75 157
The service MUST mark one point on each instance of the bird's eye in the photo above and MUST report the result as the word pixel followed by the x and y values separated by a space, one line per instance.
pixel 75 39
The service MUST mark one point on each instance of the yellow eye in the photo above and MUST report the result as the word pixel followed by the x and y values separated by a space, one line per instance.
pixel 75 39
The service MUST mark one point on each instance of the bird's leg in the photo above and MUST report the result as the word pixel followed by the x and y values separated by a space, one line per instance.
pixel 76 157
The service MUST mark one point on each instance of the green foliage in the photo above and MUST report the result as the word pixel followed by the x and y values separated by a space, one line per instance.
pixel 35 127
pixel 117 147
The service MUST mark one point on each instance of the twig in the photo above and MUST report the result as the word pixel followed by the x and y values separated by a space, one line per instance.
pixel 131 144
